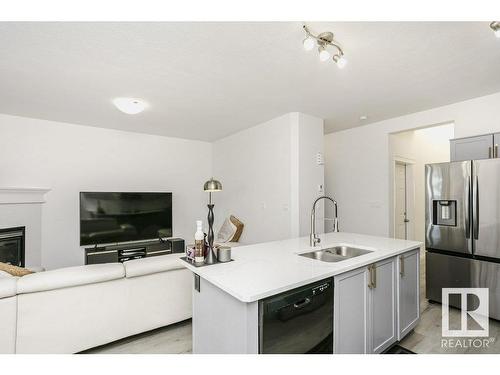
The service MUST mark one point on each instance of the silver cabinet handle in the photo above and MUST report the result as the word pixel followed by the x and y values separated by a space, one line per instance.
pixel 370 276
pixel 373 276
pixel 401 265
pixel 489 152
pixel 495 151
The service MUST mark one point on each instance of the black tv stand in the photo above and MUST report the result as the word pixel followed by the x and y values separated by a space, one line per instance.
pixel 127 251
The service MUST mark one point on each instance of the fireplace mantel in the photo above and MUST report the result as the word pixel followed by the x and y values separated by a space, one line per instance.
pixel 22 195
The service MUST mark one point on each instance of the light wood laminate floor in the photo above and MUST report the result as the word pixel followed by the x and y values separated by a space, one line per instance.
pixel 174 339
pixel 425 339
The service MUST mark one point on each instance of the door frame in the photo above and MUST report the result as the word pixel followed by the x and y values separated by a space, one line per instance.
pixel 410 194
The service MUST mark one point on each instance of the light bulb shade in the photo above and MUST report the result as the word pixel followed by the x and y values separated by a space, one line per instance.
pixel 341 61
pixel 308 43
pixel 324 55
pixel 212 185
pixel 130 106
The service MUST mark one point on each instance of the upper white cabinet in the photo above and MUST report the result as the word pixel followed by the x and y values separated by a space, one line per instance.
pixel 408 292
pixel 496 144
pixel 474 148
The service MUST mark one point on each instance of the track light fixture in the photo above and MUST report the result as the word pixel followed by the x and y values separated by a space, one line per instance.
pixel 323 41
pixel 495 26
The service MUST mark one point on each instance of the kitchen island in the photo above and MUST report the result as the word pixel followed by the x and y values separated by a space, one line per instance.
pixel 375 296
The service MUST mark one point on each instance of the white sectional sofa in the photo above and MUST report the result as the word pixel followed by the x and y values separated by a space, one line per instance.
pixel 72 309
pixel 8 311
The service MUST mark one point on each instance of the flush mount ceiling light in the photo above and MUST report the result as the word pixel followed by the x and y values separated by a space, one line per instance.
pixel 130 106
pixel 324 41
pixel 495 26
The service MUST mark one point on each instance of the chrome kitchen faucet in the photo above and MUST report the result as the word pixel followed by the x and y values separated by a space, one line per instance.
pixel 313 239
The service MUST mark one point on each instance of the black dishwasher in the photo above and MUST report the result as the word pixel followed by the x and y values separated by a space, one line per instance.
pixel 298 321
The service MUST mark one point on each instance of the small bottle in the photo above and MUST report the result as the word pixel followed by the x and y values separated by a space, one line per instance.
pixel 199 236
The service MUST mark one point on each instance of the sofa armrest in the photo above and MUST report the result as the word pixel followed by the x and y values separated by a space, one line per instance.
pixel 8 286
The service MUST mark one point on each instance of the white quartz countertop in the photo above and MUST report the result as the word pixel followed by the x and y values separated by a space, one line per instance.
pixel 269 268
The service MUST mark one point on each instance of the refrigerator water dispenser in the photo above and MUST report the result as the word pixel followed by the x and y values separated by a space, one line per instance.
pixel 444 212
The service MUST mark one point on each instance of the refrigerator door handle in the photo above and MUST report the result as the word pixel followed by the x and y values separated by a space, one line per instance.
pixel 467 208
pixel 475 208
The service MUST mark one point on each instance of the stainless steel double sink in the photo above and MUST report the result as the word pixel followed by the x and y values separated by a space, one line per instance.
pixel 336 253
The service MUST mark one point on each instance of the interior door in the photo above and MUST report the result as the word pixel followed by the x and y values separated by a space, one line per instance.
pixel 448 184
pixel 486 207
pixel 401 230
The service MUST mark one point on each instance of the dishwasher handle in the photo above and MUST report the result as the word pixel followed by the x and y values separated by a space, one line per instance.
pixel 302 303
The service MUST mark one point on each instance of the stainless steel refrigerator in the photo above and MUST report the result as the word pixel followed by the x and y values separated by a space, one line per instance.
pixel 462 228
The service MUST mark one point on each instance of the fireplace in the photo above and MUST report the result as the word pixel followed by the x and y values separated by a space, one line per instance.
pixel 12 246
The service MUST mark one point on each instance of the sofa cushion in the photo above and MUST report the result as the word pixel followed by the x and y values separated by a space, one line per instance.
pixel 8 286
pixel 69 277
pixel 147 266
pixel 4 274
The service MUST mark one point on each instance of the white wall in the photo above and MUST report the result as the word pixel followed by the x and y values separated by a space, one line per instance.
pixel 311 175
pixel 422 146
pixel 69 158
pixel 357 160
pixel 269 176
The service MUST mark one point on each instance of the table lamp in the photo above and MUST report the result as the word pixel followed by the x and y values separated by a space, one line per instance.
pixel 211 186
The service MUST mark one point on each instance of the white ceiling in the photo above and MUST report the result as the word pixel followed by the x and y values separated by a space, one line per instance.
pixel 208 80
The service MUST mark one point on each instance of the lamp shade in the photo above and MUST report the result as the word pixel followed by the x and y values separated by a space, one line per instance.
pixel 212 185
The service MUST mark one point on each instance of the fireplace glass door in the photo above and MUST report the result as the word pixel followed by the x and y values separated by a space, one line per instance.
pixel 12 247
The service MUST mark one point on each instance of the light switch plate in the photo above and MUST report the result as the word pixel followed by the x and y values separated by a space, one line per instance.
pixel 319 158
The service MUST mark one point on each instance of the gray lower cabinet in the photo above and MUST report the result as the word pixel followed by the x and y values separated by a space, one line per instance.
pixel 375 306
pixel 350 311
pixel 472 148
pixel 382 305
pixel 408 292
pixel 365 309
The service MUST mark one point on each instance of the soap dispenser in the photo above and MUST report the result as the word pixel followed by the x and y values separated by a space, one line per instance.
pixel 199 236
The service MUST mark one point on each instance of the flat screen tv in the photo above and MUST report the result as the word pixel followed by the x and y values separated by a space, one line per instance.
pixel 107 218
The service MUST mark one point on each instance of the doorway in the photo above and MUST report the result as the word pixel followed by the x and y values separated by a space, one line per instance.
pixel 414 148
pixel 404 202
